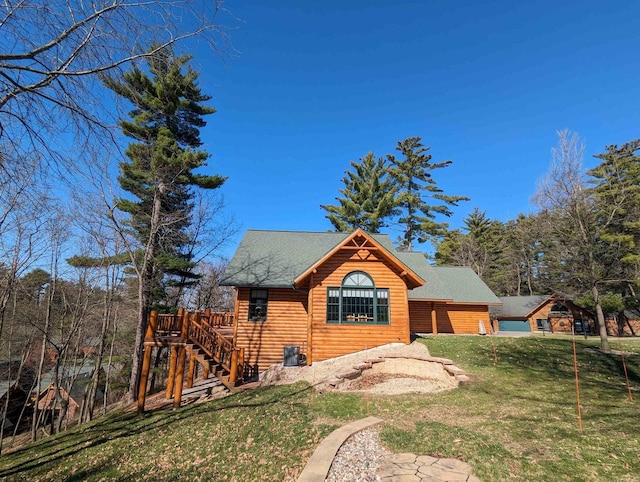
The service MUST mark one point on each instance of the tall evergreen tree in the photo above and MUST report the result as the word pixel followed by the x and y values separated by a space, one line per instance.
pixel 368 197
pixel 615 184
pixel 159 175
pixel 415 184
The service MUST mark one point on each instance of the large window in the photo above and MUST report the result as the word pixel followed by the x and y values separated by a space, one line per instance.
pixel 258 305
pixel 357 300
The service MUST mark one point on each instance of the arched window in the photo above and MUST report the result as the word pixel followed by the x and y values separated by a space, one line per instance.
pixel 358 300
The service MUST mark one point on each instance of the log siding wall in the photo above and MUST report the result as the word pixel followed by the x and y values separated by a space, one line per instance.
pixel 330 339
pixel 450 317
pixel 286 324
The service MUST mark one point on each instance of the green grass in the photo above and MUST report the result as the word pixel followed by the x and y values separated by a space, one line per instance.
pixel 516 420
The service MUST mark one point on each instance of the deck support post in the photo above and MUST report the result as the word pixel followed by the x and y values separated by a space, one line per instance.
pixel 144 377
pixel 182 358
pixel 177 398
pixel 146 360
pixel 233 373
pixel 172 372
pixel 192 369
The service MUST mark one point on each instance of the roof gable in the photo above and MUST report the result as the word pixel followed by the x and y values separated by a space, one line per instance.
pixel 284 258
pixel 363 245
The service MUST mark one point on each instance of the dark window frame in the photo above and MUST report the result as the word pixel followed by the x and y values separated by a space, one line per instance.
pixel 543 324
pixel 258 303
pixel 358 301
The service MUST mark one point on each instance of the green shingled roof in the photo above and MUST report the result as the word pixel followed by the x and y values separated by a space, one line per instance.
pixel 465 285
pixel 518 306
pixel 277 258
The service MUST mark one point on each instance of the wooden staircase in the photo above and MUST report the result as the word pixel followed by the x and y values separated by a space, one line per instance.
pixel 206 339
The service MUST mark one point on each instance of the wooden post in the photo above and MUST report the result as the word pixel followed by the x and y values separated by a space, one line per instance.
pixel 184 329
pixel 233 374
pixel 236 313
pixel 434 319
pixel 310 321
pixel 192 369
pixel 407 318
pixel 575 368
pixel 182 354
pixel 180 316
pixel 172 371
pixel 205 370
pixel 144 377
pixel 192 359
pixel 153 324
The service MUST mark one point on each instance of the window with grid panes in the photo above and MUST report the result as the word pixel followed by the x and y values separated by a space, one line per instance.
pixel 357 300
pixel 258 305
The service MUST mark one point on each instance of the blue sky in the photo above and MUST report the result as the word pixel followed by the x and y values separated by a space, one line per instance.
pixel 316 84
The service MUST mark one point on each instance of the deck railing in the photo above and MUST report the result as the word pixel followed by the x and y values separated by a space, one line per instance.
pixel 201 329
pixel 167 325
pixel 215 345
pixel 218 318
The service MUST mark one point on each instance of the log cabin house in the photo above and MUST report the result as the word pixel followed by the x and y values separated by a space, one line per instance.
pixel 541 313
pixel 309 296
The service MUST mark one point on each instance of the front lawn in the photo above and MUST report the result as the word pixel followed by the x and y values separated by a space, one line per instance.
pixel 516 420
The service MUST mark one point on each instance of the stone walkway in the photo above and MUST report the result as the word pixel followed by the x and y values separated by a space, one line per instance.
pixel 394 468
pixel 417 468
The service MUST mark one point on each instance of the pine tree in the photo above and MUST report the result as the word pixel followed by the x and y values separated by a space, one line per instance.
pixel 616 189
pixel 159 175
pixel 368 197
pixel 412 177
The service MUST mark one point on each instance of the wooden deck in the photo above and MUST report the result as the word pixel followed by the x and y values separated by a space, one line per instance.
pixel 204 338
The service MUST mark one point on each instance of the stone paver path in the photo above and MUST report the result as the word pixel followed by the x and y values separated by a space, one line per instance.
pixel 420 468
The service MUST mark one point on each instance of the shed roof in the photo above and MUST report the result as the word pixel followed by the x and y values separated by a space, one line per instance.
pixel 518 306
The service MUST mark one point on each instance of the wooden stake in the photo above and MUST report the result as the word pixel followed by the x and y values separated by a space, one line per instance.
pixel 495 353
pixel 575 367
pixel 366 385
pixel 626 376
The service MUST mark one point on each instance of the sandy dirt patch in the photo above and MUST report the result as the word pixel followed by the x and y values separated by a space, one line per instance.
pixel 400 373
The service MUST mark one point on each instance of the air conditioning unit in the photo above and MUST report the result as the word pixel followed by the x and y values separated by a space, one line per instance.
pixel 291 356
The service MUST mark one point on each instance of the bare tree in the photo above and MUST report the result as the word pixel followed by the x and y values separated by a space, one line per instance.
pixel 53 51
pixel 563 193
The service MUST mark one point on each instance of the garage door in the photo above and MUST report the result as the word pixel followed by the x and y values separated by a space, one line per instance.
pixel 514 325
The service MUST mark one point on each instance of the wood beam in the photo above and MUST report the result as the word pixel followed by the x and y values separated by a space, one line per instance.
pixel 236 312
pixel 310 319
pixel 434 320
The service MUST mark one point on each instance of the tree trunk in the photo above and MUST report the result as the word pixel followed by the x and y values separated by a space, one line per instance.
pixel 144 294
pixel 95 376
pixel 602 326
